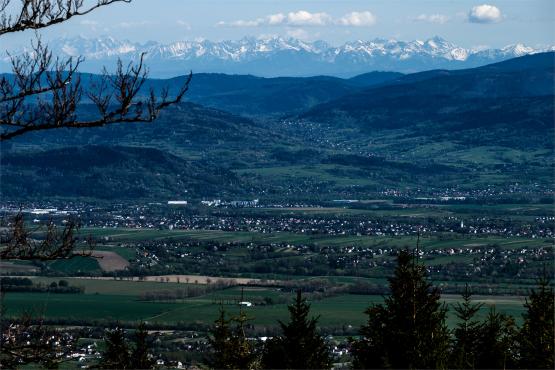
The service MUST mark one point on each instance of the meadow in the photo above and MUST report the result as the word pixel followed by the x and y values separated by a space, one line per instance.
pixel 107 300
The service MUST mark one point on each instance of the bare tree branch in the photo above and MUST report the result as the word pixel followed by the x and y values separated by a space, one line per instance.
pixel 37 14
pixel 18 243
pixel 45 94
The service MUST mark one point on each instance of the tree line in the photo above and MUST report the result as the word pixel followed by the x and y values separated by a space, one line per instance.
pixel 407 331
pixel 17 284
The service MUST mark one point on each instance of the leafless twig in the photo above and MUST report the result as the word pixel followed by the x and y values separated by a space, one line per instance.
pixel 37 14
pixel 18 242
pixel 44 93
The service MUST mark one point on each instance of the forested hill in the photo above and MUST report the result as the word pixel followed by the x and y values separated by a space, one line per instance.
pixel 511 96
pixel 378 131
pixel 112 172
pixel 252 95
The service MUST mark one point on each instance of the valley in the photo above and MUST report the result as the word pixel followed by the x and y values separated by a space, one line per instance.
pixel 257 187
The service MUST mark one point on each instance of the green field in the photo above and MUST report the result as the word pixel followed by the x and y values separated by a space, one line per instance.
pixel 120 301
pixel 76 265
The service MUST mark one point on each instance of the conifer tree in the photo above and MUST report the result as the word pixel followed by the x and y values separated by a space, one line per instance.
pixel 496 342
pixel 230 346
pixel 140 356
pixel 408 330
pixel 299 346
pixel 116 354
pixel 466 333
pixel 537 339
pixel 369 352
pixel 219 340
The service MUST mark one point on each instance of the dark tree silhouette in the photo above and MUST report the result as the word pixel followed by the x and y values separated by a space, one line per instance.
pixel 495 347
pixel 37 14
pixel 116 354
pixel 466 333
pixel 408 330
pixel 537 339
pixel 141 358
pixel 120 353
pixel 299 346
pixel 230 346
pixel 220 342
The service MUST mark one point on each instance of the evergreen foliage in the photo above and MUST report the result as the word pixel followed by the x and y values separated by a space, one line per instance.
pixel 116 354
pixel 495 347
pixel 299 346
pixel 230 346
pixel 120 355
pixel 141 357
pixel 408 331
pixel 537 339
pixel 466 333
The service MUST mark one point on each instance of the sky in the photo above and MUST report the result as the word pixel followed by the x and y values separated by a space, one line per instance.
pixel 466 23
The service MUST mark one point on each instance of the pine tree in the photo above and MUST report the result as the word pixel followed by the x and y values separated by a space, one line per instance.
pixel 299 346
pixel 408 330
pixel 496 342
pixel 369 352
pixel 230 346
pixel 219 340
pixel 116 354
pixel 466 333
pixel 140 356
pixel 537 339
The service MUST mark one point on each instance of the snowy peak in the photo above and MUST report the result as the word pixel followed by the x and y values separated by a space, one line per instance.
pixel 274 56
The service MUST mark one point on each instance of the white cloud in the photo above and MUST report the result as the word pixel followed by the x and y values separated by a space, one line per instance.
pixel 431 18
pixel 275 19
pixel 304 18
pixel 270 20
pixel 243 23
pixel 485 13
pixel 357 19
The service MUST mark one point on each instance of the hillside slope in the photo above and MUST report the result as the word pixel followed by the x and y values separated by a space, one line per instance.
pixel 111 173
pixel 512 95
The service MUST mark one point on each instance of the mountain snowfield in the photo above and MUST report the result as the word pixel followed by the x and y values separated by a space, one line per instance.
pixel 269 57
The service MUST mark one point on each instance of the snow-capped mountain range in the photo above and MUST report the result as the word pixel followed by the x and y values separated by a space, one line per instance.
pixel 282 57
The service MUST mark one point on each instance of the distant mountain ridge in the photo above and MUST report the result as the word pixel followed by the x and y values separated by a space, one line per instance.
pixel 511 96
pixel 277 56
